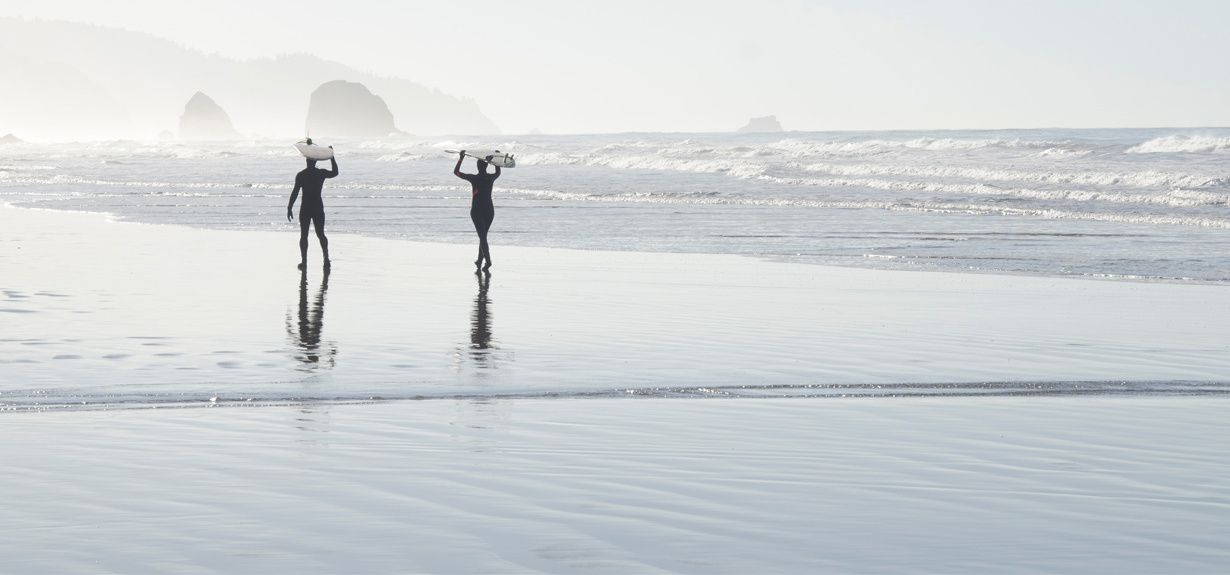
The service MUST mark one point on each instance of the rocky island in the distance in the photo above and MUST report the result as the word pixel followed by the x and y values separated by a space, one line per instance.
pixel 764 124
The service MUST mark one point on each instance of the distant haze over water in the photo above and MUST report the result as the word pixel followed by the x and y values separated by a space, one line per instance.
pixel 66 81
pixel 1128 204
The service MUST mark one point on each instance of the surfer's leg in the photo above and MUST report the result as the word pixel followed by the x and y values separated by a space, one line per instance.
pixel 484 251
pixel 483 248
pixel 318 220
pixel 304 221
pixel 477 219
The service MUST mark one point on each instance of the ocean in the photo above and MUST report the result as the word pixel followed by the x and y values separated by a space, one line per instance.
pixel 1133 204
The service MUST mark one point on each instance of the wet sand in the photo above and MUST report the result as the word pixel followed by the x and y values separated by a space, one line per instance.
pixel 114 313
pixel 633 485
pixel 184 400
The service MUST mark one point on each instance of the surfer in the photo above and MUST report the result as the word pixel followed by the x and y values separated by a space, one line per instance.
pixel 312 211
pixel 482 211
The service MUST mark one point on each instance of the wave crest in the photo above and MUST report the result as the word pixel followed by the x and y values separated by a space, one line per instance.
pixel 1181 144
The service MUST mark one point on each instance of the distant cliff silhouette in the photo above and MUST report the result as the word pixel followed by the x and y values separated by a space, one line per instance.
pixel 204 119
pixel 348 109
pixel 9 139
pixel 66 80
pixel 764 124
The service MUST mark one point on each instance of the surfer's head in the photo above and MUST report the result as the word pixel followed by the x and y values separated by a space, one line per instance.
pixel 482 166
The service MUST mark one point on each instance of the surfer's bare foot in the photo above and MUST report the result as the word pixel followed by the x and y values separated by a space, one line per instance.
pixel 488 266
pixel 478 263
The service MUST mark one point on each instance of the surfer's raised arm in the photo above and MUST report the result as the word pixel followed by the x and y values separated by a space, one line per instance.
pixel 461 156
pixel 497 173
pixel 333 162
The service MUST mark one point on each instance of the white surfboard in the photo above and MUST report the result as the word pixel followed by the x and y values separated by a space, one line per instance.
pixel 313 151
pixel 493 157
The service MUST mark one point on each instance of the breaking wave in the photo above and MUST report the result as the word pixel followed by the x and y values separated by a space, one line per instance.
pixel 1145 179
pixel 1181 144
pixel 906 206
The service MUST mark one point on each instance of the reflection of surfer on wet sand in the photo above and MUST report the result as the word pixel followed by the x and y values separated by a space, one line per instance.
pixel 483 353
pixel 480 321
pixel 306 333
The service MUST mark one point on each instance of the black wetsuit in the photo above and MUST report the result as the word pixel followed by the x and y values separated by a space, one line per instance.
pixel 482 210
pixel 312 210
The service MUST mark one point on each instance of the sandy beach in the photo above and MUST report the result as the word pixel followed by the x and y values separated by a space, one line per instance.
pixel 184 400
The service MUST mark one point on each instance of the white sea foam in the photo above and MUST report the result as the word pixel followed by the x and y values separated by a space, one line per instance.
pixel 72 180
pixel 402 157
pixel 876 146
pixel 909 206
pixel 1176 197
pixel 749 161
pixel 1181 144
pixel 1063 151
pixel 1146 179
pixel 675 162
pixel 26 167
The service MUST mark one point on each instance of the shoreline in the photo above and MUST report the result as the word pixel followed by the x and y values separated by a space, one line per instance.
pixel 1162 390
pixel 766 258
pixel 100 308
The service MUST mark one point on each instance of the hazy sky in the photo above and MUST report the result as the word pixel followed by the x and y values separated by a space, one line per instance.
pixel 572 67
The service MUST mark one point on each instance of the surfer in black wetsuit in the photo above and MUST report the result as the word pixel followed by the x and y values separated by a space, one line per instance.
pixel 312 210
pixel 482 211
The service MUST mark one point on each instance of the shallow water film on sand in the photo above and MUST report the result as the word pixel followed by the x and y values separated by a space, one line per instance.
pixel 1121 203
pixel 102 315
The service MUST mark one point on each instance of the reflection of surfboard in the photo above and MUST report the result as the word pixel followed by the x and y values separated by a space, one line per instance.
pixel 313 151
pixel 493 157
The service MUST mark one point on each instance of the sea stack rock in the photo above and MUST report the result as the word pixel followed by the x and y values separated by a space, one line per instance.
pixel 765 124
pixel 348 109
pixel 10 139
pixel 204 119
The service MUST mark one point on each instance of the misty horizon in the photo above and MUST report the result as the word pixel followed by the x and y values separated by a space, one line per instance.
pixel 126 70
pixel 72 81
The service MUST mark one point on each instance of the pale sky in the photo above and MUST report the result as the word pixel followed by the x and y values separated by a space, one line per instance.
pixel 584 67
